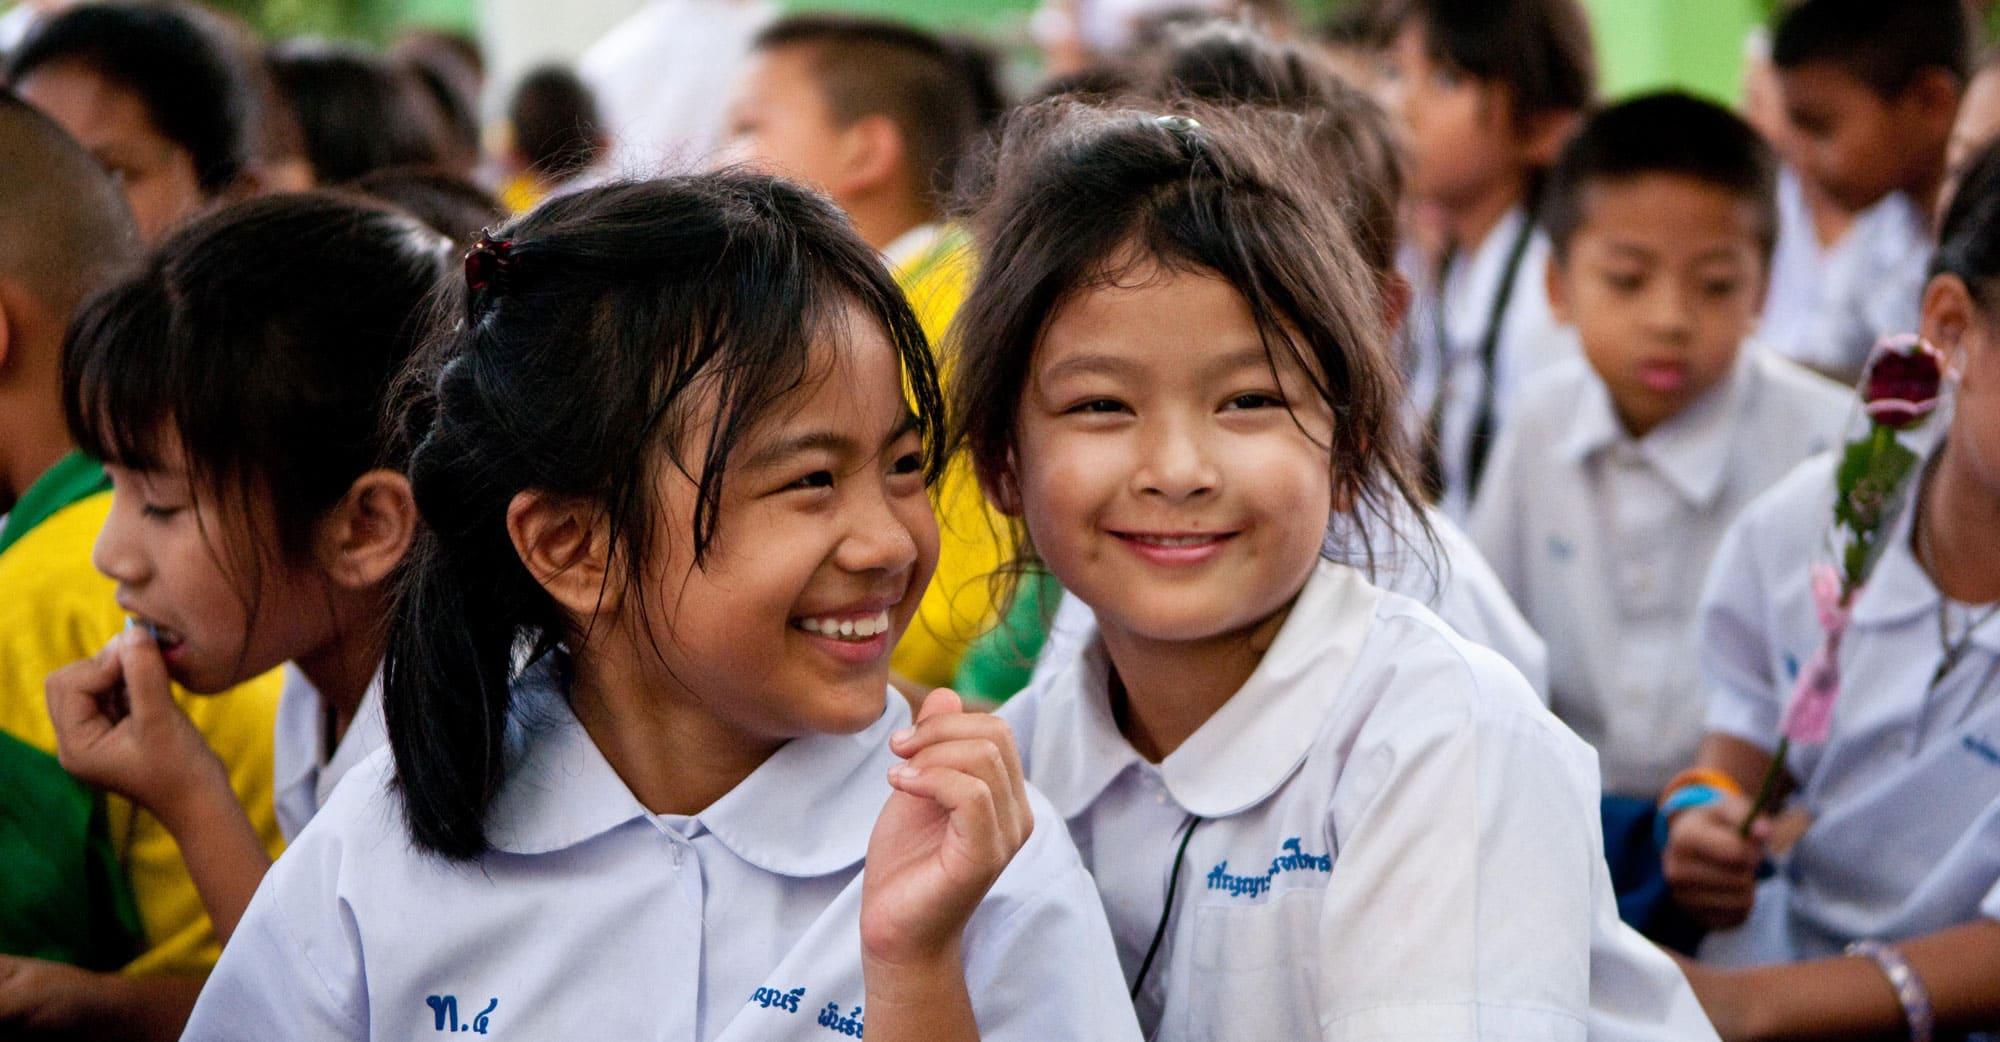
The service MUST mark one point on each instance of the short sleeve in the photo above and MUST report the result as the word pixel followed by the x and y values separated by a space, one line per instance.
pixel 1045 966
pixel 1732 622
pixel 1461 901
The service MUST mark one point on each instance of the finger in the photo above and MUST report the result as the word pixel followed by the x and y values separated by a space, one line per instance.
pixel 74 696
pixel 147 686
pixel 940 702
pixel 1719 846
pixel 912 740
pixel 983 758
pixel 967 800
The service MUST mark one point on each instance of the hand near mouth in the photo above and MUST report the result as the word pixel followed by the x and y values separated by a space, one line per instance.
pixel 118 727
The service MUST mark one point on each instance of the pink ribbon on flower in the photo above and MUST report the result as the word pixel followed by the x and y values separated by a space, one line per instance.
pixel 1809 715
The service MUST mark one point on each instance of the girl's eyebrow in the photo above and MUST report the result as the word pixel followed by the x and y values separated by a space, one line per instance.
pixel 828 441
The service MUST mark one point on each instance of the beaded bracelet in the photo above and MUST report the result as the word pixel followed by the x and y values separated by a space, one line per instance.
pixel 1910 991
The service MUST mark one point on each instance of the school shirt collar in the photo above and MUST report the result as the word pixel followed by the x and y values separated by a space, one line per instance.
pixel 1250 747
pixel 1899 589
pixel 912 245
pixel 806 812
pixel 1692 449
pixel 301 734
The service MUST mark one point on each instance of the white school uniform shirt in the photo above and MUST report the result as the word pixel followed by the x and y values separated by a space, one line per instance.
pixel 1871 286
pixel 1530 340
pixel 594 918
pixel 1905 794
pixel 303 775
pixel 1603 539
pixel 1455 582
pixel 662 78
pixel 1397 841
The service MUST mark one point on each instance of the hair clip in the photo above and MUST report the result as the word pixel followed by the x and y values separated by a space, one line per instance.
pixel 486 261
pixel 1180 125
pixel 1187 131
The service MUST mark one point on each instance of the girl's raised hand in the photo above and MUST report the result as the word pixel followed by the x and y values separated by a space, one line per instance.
pixel 118 727
pixel 958 814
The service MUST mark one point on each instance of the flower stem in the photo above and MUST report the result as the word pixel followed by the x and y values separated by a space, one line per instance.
pixel 1767 788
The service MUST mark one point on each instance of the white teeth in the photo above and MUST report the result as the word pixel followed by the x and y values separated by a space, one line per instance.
pixel 848 629
pixel 1178 540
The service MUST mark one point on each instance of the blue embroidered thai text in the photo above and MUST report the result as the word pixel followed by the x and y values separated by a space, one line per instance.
pixel 784 1000
pixel 444 1012
pixel 849 1025
pixel 1294 859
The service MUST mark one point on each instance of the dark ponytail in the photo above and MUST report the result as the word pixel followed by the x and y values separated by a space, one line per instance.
pixel 1969 236
pixel 561 366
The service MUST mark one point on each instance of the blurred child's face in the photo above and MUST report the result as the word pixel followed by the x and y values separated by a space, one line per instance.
pixel 157 175
pixel 1663 280
pixel 1158 469
pixel 1978 122
pixel 823 546
pixel 1460 131
pixel 194 571
pixel 781 122
pixel 1848 139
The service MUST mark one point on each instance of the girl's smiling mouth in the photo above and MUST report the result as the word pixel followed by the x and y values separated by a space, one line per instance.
pixel 1174 548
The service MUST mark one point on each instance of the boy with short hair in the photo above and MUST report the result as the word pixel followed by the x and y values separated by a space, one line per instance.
pixel 88 884
pixel 1489 91
pixel 878 114
pixel 1610 490
pixel 1870 90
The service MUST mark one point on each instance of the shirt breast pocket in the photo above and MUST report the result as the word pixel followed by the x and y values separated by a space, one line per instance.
pixel 1254 968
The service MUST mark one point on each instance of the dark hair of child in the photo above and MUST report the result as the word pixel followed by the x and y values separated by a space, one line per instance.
pixel 1969 237
pixel 1663 133
pixel 264 339
pixel 1357 24
pixel 1884 45
pixel 1540 50
pixel 67 229
pixel 1226 63
pixel 873 66
pixel 599 330
pixel 1082 194
pixel 175 59
pixel 556 126
pixel 447 202
pixel 448 68
pixel 356 112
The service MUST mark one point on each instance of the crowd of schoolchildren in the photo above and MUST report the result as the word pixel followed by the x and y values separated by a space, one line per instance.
pixel 1267 532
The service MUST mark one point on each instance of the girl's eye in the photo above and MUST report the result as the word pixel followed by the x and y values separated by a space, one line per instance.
pixel 157 513
pixel 1624 282
pixel 1719 287
pixel 1100 406
pixel 816 479
pixel 909 463
pixel 1255 400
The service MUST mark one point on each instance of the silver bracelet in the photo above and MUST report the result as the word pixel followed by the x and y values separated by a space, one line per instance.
pixel 1910 991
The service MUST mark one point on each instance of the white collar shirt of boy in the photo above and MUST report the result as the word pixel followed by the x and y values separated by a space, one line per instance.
pixel 1455 582
pixel 593 918
pixel 1603 539
pixel 1530 340
pixel 1397 841
pixel 658 76
pixel 1905 795
pixel 302 773
pixel 1871 286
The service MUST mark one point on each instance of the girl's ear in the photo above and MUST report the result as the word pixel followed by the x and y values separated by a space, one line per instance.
pixel 1002 489
pixel 1948 313
pixel 367 534
pixel 1544 135
pixel 566 546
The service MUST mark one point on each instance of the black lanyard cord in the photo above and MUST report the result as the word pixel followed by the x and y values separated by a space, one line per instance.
pixel 1489 352
pixel 1167 913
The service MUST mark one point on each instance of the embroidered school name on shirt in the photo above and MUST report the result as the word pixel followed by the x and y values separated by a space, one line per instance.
pixel 444 1012
pixel 1981 748
pixel 1294 859
pixel 789 1002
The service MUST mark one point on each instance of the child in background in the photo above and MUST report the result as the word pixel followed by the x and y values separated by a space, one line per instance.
pixel 65 233
pixel 1619 471
pixel 1978 123
pixel 878 115
pixel 636 690
pixel 356 112
pixel 1901 845
pixel 1225 63
pixel 156 92
pixel 554 136
pixel 1870 90
pixel 1312 810
pixel 451 205
pixel 235 388
pixel 1489 91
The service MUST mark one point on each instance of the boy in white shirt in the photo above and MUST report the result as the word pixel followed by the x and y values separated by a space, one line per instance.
pixel 1610 490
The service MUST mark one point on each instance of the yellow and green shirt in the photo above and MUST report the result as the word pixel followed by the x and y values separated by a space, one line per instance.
pixel 55 608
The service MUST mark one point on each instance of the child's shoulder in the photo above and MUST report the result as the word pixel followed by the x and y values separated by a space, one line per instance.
pixel 1547 405
pixel 1792 397
pixel 1414 665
